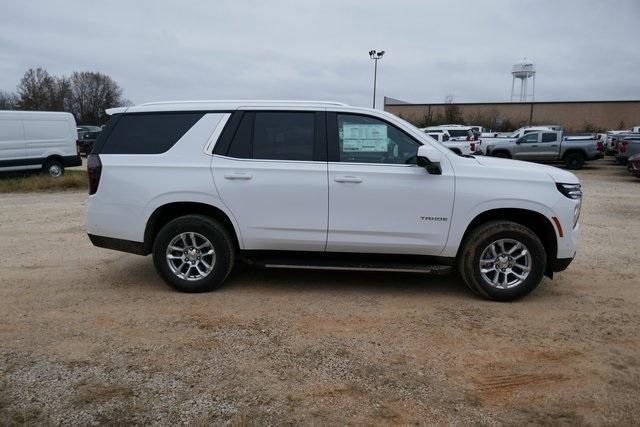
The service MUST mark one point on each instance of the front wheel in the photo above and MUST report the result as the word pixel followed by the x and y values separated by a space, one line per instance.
pixel 193 253
pixel 502 260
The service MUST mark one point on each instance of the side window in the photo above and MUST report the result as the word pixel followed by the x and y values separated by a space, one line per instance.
pixel 549 137
pixel 145 133
pixel 242 143
pixel 274 136
pixel 529 138
pixel 283 136
pixel 363 139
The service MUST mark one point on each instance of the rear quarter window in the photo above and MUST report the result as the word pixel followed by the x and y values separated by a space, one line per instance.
pixel 145 133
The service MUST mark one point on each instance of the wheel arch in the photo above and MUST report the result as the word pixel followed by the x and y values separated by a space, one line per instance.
pixel 170 211
pixel 496 152
pixel 538 223
pixel 574 150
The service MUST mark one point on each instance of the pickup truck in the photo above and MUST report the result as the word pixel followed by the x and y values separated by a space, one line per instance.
pixel 546 146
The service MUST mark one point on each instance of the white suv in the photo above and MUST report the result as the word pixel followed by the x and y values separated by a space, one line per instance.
pixel 320 186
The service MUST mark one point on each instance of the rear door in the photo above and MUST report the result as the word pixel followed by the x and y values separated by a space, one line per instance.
pixel 272 176
pixel 549 146
pixel 12 145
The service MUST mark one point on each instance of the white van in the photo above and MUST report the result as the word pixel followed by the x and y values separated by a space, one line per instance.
pixel 38 140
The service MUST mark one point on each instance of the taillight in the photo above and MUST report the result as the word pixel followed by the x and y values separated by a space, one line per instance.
pixel 623 146
pixel 94 170
pixel 78 147
pixel 600 146
pixel 473 147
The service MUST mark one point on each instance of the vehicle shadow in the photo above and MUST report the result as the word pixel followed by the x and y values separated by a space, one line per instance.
pixel 284 280
pixel 139 272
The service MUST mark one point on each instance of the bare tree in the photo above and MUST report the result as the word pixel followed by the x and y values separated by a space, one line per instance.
pixel 452 112
pixel 8 100
pixel 91 94
pixel 39 90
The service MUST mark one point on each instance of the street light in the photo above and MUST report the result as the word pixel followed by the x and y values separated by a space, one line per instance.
pixel 375 55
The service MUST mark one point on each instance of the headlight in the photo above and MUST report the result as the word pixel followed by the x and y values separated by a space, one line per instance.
pixel 572 191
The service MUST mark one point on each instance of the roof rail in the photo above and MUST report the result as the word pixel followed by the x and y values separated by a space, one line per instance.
pixel 241 101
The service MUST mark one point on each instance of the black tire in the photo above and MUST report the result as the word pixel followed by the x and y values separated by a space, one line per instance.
pixel 219 238
pixel 501 154
pixel 482 237
pixel 53 168
pixel 574 160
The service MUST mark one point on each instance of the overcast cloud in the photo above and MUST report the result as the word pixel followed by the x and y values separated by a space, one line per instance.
pixel 162 50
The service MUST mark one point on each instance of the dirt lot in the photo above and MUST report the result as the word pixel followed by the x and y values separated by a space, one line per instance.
pixel 90 335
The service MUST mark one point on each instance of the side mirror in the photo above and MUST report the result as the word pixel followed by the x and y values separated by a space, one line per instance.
pixel 429 158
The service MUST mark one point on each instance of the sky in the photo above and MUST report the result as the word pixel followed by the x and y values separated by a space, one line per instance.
pixel 318 50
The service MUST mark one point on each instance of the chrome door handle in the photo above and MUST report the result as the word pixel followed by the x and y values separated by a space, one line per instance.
pixel 353 179
pixel 238 175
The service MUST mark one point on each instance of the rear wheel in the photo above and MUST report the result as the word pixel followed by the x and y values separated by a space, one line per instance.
pixel 53 168
pixel 574 160
pixel 193 253
pixel 502 260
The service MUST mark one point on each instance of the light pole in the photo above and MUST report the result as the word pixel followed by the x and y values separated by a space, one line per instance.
pixel 375 55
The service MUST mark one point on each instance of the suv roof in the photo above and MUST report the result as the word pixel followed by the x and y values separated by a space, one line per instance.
pixel 219 105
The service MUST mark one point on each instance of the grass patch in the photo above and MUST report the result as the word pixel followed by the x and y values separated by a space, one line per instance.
pixel 26 182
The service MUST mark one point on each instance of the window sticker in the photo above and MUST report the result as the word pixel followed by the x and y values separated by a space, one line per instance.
pixel 364 138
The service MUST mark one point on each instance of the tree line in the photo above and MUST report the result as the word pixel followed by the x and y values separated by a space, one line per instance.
pixel 85 94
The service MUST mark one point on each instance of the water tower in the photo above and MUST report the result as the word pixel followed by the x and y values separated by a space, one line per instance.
pixel 523 71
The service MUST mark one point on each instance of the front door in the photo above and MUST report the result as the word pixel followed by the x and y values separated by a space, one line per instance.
pixel 380 201
pixel 526 147
pixel 273 179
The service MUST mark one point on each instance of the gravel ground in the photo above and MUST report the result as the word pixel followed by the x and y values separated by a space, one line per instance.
pixel 94 336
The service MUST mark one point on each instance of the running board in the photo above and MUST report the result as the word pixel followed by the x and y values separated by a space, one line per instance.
pixel 353 266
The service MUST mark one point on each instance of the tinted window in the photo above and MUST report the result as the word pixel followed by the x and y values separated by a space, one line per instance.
pixel 548 137
pixel 369 140
pixel 433 131
pixel 148 133
pixel 241 145
pixel 283 136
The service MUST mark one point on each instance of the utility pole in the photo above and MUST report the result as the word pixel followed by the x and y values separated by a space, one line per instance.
pixel 375 55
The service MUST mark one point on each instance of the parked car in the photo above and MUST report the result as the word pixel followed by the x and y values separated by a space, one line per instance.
pixel 312 185
pixel 546 146
pixel 86 141
pixel 456 138
pixel 610 142
pixel 633 165
pixel 82 129
pixel 38 140
pixel 627 146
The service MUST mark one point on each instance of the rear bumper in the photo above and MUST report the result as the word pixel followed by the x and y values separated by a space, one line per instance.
pixel 118 244
pixel 596 156
pixel 622 160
